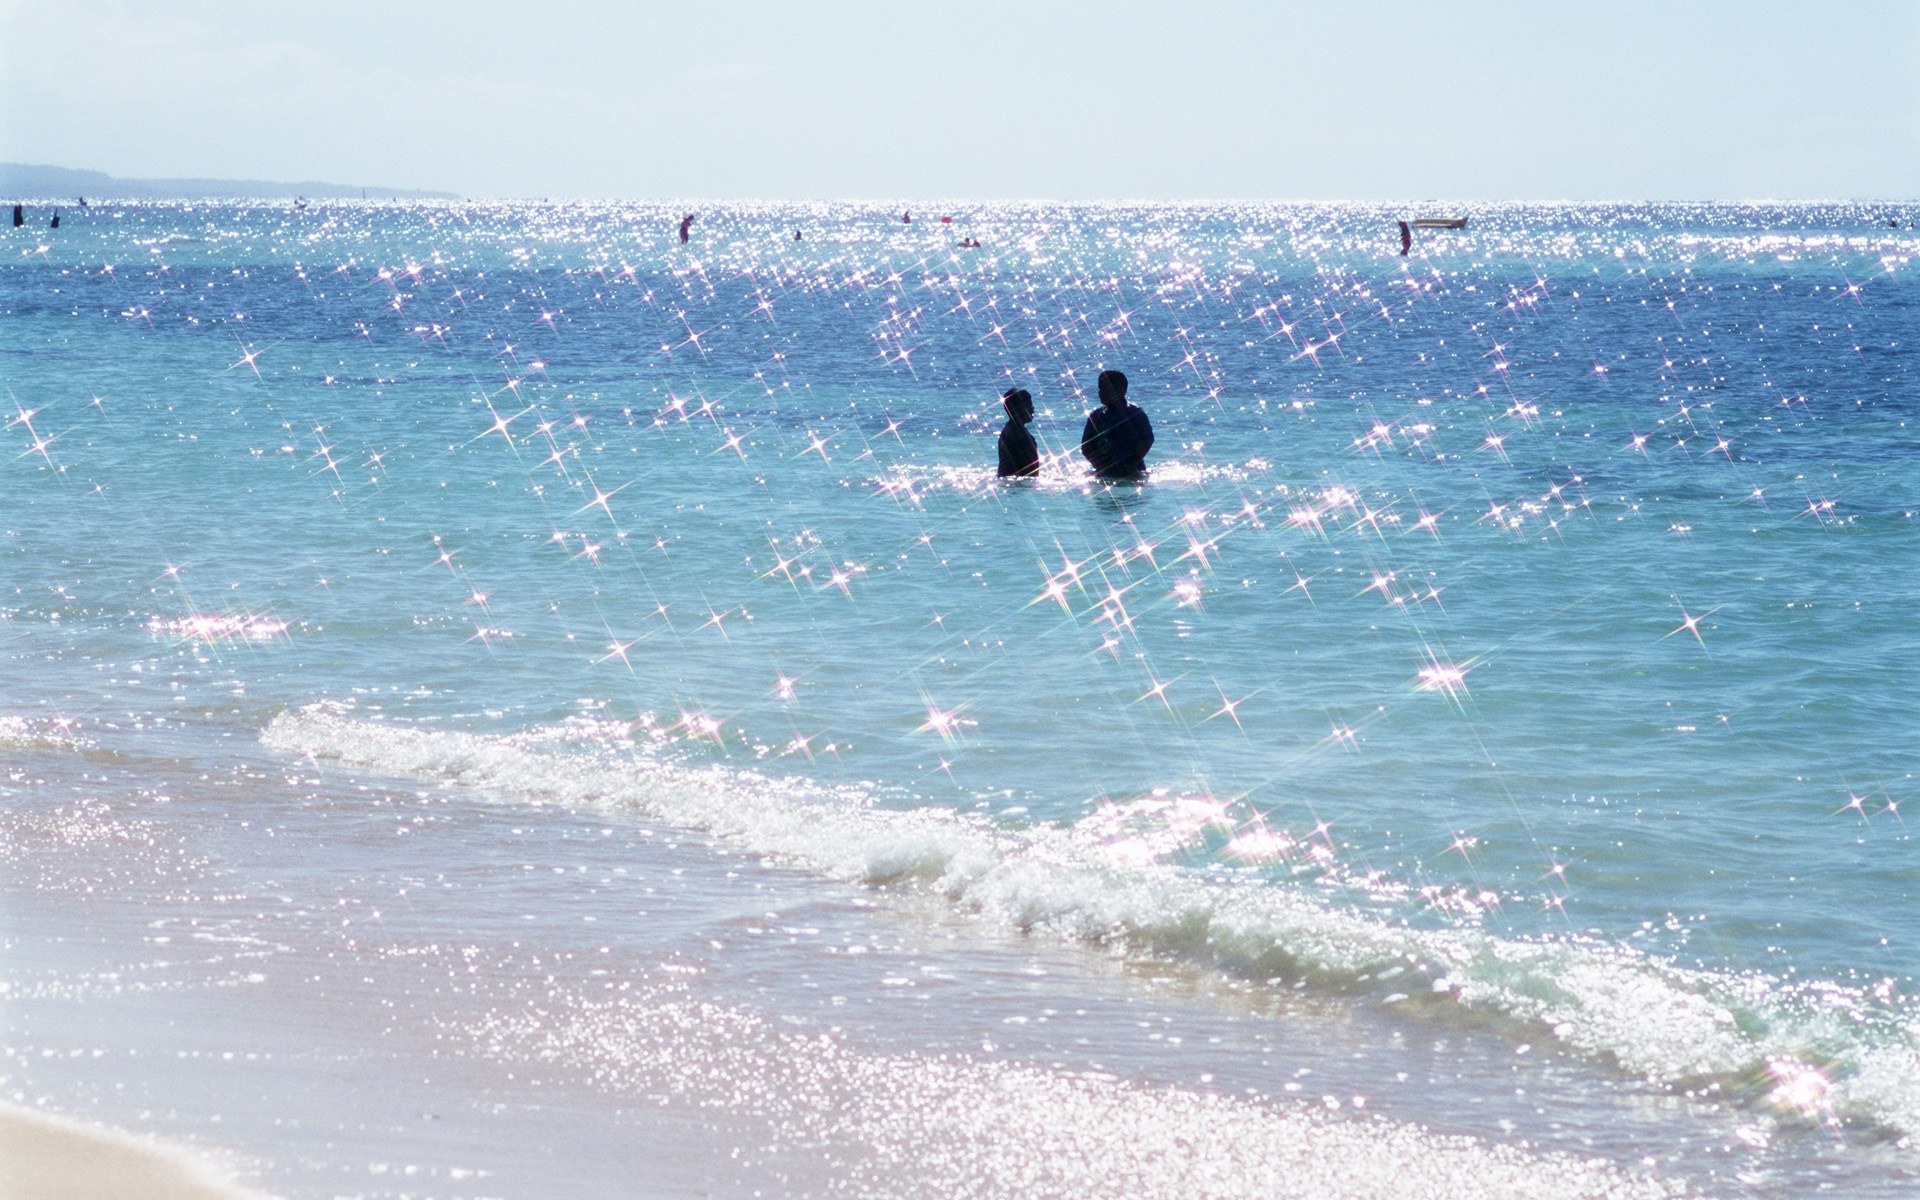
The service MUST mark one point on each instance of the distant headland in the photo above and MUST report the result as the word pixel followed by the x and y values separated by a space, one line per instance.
pixel 28 181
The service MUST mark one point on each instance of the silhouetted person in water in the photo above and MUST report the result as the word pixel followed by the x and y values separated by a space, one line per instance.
pixel 56 220
pixel 1117 435
pixel 686 223
pixel 1018 453
pixel 1406 239
pixel 19 215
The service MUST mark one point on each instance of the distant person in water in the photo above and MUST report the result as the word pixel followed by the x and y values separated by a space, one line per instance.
pixel 19 215
pixel 1117 435
pixel 686 223
pixel 1018 453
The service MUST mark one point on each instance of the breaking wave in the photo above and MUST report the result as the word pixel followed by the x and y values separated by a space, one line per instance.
pixel 1813 1050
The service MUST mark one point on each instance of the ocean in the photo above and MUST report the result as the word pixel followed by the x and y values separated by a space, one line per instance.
pixel 497 701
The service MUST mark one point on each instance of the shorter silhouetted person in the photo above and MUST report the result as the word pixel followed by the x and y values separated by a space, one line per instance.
pixel 1117 434
pixel 55 223
pixel 686 223
pixel 1018 453
pixel 906 218
pixel 1406 239
pixel 796 235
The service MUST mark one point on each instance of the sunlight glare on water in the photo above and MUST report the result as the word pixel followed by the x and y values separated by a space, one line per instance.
pixel 1520 628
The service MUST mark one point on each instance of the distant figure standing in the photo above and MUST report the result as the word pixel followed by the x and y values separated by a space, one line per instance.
pixel 19 215
pixel 686 223
pixel 1019 455
pixel 56 220
pixel 906 218
pixel 1117 435
pixel 1406 239
pixel 796 236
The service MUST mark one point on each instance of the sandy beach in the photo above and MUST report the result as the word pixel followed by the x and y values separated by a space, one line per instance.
pixel 45 1157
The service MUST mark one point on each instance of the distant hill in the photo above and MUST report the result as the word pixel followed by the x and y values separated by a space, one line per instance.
pixel 27 181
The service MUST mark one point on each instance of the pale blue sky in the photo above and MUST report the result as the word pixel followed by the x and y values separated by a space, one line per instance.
pixel 1073 100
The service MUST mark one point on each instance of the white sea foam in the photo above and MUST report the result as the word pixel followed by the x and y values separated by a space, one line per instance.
pixel 1061 470
pixel 1819 1051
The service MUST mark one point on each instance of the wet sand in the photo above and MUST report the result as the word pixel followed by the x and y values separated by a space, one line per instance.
pixel 45 1157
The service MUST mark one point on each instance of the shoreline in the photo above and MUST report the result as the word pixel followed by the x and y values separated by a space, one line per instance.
pixel 44 1156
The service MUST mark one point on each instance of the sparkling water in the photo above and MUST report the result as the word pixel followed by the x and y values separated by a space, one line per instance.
pixel 499 659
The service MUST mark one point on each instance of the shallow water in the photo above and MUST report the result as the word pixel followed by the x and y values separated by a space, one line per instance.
pixel 503 643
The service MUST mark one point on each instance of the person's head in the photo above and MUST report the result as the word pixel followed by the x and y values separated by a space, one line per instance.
pixel 1113 389
pixel 1019 405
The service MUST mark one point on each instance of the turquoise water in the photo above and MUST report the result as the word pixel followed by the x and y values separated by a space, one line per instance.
pixel 1515 637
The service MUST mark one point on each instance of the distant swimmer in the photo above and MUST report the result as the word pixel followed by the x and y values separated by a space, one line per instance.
pixel 1019 455
pixel 906 218
pixel 1406 239
pixel 796 236
pixel 82 200
pixel 19 215
pixel 1117 435
pixel 686 223
pixel 55 224
pixel 969 243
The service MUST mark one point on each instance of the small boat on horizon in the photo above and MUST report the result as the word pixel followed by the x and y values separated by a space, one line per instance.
pixel 1440 222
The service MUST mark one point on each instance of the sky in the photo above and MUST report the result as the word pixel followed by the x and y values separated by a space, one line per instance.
pixel 1076 100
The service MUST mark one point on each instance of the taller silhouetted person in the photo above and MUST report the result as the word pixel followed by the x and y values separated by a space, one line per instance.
pixel 1117 434
pixel 19 215
pixel 686 223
